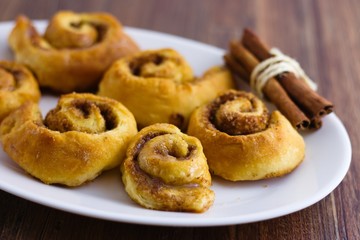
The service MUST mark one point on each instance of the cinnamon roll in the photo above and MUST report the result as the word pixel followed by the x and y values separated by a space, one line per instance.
pixel 243 141
pixel 75 50
pixel 17 85
pixel 84 135
pixel 166 169
pixel 158 86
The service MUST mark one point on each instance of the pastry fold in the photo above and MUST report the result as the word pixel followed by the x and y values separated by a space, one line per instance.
pixel 242 141
pixel 17 86
pixel 84 135
pixel 75 50
pixel 158 86
pixel 166 169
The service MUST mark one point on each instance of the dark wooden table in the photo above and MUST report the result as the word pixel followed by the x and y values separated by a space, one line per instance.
pixel 323 35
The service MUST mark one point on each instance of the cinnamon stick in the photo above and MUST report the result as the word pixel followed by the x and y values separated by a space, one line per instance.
pixel 246 61
pixel 255 45
pixel 310 102
pixel 236 67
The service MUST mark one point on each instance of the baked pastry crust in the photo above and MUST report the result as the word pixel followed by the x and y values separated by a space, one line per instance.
pixel 158 86
pixel 83 136
pixel 271 150
pixel 166 170
pixel 75 50
pixel 17 85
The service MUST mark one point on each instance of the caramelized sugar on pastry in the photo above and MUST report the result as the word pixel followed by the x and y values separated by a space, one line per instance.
pixel 75 50
pixel 166 170
pixel 158 86
pixel 243 141
pixel 83 136
pixel 17 85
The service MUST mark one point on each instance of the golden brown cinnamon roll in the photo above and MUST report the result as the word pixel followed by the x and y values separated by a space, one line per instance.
pixel 75 50
pixel 83 136
pixel 158 86
pixel 242 141
pixel 17 85
pixel 166 170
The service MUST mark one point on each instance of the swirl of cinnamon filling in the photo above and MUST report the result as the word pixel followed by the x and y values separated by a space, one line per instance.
pixel 242 141
pixel 74 51
pixel 17 85
pixel 83 136
pixel 158 86
pixel 167 170
pixel 238 113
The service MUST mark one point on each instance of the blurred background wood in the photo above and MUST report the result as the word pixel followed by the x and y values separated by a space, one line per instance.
pixel 323 35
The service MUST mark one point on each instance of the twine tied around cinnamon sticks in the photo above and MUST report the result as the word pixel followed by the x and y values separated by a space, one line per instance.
pixel 288 91
pixel 274 66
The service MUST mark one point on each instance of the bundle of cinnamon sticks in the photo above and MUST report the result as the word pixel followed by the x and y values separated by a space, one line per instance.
pixel 303 106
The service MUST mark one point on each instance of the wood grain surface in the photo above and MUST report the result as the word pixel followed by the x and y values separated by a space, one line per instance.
pixel 323 35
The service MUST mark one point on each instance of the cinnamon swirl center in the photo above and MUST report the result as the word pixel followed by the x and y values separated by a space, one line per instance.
pixel 81 115
pixel 7 81
pixel 74 31
pixel 10 78
pixel 239 113
pixel 158 65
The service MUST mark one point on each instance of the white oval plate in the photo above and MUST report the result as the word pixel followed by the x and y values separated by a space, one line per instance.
pixel 328 156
